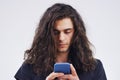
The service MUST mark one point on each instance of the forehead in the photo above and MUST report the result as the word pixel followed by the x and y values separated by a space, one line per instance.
pixel 62 24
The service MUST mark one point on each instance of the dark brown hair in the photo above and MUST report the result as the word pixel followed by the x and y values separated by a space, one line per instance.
pixel 43 51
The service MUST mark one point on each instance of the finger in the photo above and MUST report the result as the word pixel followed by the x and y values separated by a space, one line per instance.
pixel 68 77
pixel 58 74
pixel 53 75
pixel 73 71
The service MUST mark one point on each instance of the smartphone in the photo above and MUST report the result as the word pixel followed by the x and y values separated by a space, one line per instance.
pixel 62 68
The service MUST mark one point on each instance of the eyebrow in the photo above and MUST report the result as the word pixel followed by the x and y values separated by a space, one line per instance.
pixel 64 29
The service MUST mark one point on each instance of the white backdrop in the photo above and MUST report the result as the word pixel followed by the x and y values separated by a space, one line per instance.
pixel 19 19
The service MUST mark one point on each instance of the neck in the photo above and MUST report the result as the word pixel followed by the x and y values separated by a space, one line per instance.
pixel 62 57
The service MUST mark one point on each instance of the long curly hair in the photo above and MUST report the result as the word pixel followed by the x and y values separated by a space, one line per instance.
pixel 43 50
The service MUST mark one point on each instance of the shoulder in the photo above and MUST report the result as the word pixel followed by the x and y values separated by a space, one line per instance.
pixel 99 65
pixel 26 67
pixel 25 72
pixel 99 72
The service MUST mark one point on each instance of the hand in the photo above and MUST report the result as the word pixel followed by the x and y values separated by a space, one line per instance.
pixel 72 76
pixel 54 75
pixel 62 76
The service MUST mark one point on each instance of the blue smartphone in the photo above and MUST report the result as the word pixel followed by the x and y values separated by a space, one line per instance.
pixel 62 67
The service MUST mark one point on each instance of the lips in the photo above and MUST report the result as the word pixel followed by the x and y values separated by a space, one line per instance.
pixel 62 45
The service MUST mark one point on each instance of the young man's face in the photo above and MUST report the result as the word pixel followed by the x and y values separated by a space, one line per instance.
pixel 63 31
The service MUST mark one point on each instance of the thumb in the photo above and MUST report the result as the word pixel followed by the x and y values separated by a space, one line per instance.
pixel 73 71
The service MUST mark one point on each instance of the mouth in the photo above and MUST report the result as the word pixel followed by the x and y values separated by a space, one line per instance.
pixel 62 45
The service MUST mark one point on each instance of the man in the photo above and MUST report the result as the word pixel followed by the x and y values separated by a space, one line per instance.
pixel 60 37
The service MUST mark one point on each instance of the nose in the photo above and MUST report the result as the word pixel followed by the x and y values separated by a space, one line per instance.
pixel 61 36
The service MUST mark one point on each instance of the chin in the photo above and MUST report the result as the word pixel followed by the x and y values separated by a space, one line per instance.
pixel 62 51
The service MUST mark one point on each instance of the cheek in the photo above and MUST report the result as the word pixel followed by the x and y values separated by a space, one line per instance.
pixel 56 38
pixel 70 37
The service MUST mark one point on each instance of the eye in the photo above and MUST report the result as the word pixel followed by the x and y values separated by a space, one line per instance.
pixel 56 32
pixel 68 31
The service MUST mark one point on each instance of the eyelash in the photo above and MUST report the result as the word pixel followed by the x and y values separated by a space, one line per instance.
pixel 57 32
pixel 67 32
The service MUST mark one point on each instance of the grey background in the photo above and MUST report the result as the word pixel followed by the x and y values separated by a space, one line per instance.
pixel 19 19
